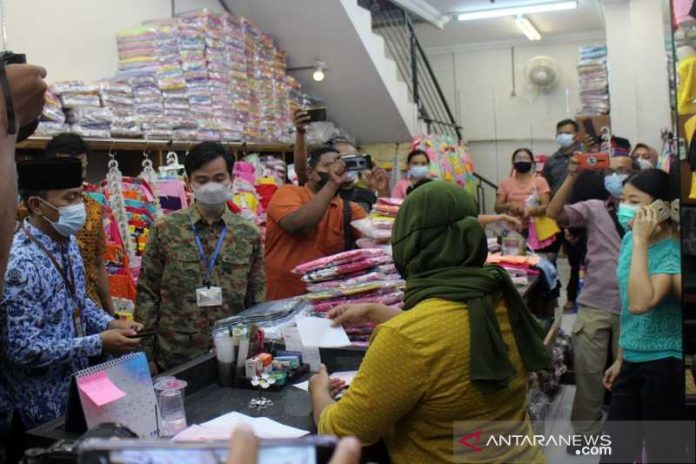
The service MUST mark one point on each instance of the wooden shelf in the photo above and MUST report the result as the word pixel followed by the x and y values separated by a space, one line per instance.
pixel 39 143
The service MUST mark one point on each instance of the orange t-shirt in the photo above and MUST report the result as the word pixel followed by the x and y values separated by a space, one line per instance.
pixel 285 251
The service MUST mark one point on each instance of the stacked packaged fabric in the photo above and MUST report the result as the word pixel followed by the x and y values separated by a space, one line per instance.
pixel 594 80
pixel 118 98
pixel 376 228
pixel 83 109
pixel 52 118
pixel 352 277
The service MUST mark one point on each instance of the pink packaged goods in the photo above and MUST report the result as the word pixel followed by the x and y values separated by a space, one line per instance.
pixel 340 258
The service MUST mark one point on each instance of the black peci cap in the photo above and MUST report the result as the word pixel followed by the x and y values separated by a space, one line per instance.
pixel 50 174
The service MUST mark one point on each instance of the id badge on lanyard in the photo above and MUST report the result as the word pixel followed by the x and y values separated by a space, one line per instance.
pixel 208 296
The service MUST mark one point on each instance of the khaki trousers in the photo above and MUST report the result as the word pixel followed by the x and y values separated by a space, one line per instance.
pixel 594 330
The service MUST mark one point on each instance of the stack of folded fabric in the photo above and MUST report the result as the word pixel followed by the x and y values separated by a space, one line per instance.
pixel 52 118
pixel 118 98
pixel 594 80
pixel 82 106
pixel 376 228
pixel 352 277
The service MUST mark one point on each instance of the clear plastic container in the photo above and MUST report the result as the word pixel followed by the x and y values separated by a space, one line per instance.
pixel 172 415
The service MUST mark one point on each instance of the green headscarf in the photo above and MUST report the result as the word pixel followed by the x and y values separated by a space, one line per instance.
pixel 440 249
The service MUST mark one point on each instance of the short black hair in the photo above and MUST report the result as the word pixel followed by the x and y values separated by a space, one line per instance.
pixel 654 182
pixel 67 144
pixel 204 153
pixel 26 194
pixel 415 153
pixel 316 155
pixel 519 150
pixel 413 187
pixel 567 122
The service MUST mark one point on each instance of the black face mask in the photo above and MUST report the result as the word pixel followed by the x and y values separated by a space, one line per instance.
pixel 523 167
pixel 323 179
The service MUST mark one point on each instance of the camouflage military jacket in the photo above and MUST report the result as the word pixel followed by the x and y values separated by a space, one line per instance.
pixel 172 270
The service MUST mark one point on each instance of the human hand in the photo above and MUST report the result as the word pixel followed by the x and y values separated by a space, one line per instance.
pixel 301 120
pixel 126 325
pixel 645 224
pixel 569 237
pixel 119 341
pixel 338 175
pixel 28 93
pixel 611 374
pixel 515 210
pixel 587 140
pixel 516 223
pixel 244 448
pixel 336 386
pixel 350 315
pixel 378 180
pixel 574 168
pixel 320 381
pixel 527 213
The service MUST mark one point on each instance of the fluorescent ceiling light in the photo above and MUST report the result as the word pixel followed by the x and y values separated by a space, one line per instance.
pixel 518 10
pixel 527 28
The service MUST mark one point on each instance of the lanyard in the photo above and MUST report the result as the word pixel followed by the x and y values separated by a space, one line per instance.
pixel 208 264
pixel 69 280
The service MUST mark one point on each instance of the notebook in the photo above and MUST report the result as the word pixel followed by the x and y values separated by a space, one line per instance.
pixel 118 391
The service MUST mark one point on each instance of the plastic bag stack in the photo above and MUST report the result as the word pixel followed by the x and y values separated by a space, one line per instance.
pixel 83 110
pixel 594 80
pixel 376 228
pixel 52 118
pixel 352 277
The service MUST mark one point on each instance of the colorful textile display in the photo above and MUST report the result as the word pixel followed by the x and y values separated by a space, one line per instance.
pixel 449 160
pixel 352 277
pixel 593 76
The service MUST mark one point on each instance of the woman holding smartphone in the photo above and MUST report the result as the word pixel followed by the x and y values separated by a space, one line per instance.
pixel 647 379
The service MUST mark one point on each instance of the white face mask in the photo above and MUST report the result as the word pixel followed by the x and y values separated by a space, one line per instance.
pixel 70 220
pixel 212 195
pixel 565 140
pixel 645 164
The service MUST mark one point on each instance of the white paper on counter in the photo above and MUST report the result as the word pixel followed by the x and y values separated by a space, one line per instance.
pixel 310 354
pixel 221 429
pixel 346 376
pixel 319 332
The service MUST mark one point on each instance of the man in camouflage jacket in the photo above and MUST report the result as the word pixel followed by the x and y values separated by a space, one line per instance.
pixel 175 268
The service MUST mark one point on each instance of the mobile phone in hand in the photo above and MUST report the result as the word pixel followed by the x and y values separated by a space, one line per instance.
pixel 593 161
pixel 662 209
pixel 317 114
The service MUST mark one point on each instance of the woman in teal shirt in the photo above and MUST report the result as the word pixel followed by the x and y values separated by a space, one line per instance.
pixel 647 379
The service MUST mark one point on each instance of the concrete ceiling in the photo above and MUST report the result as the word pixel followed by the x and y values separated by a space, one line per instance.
pixel 586 18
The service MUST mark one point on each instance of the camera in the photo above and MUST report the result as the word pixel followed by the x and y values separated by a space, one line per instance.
pixel 24 132
pixel 357 163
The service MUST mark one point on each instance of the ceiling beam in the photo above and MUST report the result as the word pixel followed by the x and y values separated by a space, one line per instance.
pixel 426 11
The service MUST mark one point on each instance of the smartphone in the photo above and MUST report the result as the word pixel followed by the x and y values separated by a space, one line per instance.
pixel 588 125
pixel 675 211
pixel 317 114
pixel 593 161
pixel 357 163
pixel 306 450
pixel 663 210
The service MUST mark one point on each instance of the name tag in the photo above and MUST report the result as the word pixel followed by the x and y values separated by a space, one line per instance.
pixel 208 296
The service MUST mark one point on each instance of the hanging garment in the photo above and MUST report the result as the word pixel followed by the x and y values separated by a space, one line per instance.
pixel 686 90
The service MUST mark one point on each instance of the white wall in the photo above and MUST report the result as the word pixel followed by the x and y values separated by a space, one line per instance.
pixel 477 81
pixel 76 39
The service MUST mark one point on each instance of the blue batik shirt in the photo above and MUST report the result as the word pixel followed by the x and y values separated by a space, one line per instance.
pixel 39 347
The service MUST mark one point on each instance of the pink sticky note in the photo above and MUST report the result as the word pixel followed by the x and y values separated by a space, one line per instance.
pixel 99 388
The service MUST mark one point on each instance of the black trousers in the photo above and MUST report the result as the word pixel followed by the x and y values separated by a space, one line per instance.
pixel 576 257
pixel 643 392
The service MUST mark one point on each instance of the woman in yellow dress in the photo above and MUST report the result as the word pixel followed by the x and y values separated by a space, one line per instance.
pixel 455 361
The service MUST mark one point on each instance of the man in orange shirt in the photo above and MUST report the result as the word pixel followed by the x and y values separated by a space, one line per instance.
pixel 308 222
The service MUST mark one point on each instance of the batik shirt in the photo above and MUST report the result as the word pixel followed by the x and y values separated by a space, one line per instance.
pixel 39 346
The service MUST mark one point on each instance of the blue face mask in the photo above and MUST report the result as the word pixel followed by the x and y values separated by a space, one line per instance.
pixel 418 172
pixel 70 220
pixel 626 213
pixel 614 184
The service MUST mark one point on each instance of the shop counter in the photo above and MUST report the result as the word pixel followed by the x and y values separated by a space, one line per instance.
pixel 206 400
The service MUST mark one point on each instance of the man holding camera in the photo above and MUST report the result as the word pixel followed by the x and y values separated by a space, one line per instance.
pixel 308 222
pixel 375 178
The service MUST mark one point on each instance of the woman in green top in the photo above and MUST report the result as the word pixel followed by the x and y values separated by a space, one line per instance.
pixel 647 380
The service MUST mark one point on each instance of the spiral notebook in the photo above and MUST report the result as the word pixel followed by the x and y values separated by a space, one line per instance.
pixel 119 391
